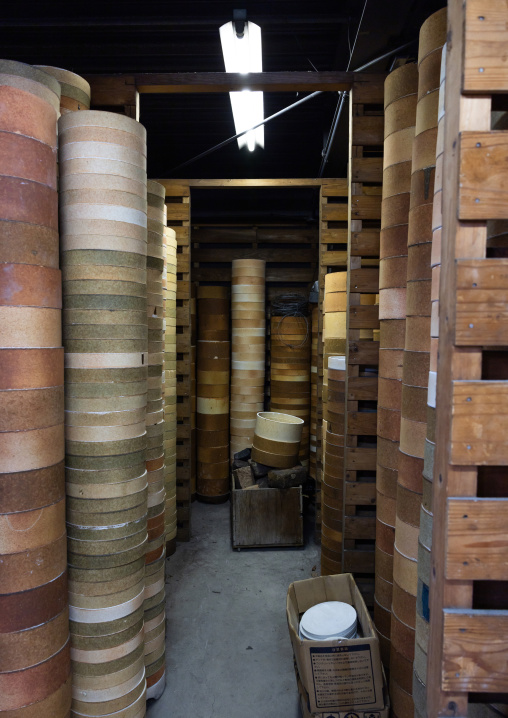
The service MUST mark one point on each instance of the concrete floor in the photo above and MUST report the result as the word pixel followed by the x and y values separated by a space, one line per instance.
pixel 228 648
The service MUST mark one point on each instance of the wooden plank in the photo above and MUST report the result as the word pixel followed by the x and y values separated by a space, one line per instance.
pixel 333 212
pixel 368 88
pixel 364 317
pixel 266 517
pixel 367 169
pixel 269 255
pixel 178 212
pixel 254 182
pixel 279 275
pixel 361 388
pixel 279 235
pixel 334 236
pixel 358 561
pixel 334 188
pixel 479 423
pixel 365 207
pixel 175 188
pixel 170 82
pixel 361 459
pixel 363 352
pixel 112 91
pixel 477 547
pixel 360 527
pixel 362 423
pixel 365 280
pixel 459 240
pixel 485 59
pixel 334 259
pixel 365 243
pixel 360 493
pixel 475 651
pixel 483 192
pixel 286 234
pixel 482 302
pixel 368 130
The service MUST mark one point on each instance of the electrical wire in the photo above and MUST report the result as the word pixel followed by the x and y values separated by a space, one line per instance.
pixel 342 96
pixel 291 305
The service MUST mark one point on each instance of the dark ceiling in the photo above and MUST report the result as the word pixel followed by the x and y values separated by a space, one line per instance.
pixel 183 36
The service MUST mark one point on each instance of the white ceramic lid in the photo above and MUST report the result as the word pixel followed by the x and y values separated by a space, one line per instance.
pixel 337 363
pixel 328 620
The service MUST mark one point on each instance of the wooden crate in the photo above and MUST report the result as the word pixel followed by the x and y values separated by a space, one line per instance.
pixel 266 517
pixel 468 642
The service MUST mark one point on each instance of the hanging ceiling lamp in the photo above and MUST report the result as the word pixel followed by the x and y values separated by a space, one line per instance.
pixel 241 47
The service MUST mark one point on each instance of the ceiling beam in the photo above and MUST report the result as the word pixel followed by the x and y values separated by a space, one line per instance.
pixel 222 183
pixel 107 86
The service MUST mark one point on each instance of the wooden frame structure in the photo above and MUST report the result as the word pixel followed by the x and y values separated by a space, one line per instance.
pixel 122 91
pixel 178 199
pixel 468 632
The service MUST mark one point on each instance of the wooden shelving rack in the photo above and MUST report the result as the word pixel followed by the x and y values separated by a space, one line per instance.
pixel 178 205
pixel 362 352
pixel 468 650
pixel 333 239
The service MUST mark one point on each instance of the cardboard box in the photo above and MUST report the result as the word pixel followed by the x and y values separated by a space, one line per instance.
pixel 343 675
pixel 304 706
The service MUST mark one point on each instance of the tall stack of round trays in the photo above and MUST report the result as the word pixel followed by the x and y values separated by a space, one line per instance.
pixel 415 372
pixel 155 597
pixel 334 326
pixel 247 350
pixel 426 511
pixel 333 441
pixel 170 390
pixel 34 618
pixel 213 394
pixel 193 387
pixel 290 372
pixel 400 114
pixel 332 485
pixel 313 392
pixel 103 228
pixel 75 90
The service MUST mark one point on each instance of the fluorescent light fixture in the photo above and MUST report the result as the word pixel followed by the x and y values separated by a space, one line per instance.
pixel 243 55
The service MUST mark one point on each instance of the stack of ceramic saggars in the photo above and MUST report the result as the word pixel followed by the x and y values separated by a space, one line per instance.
pixel 104 242
pixel 400 114
pixel 193 387
pixel 155 599
pixel 334 326
pixel 313 392
pixel 290 372
pixel 34 619
pixel 333 441
pixel 416 364
pixel 247 349
pixel 332 484
pixel 277 439
pixel 170 389
pixel 213 395
pixel 422 622
pixel 75 90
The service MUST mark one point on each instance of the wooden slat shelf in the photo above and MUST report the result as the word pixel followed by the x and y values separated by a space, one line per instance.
pixel 360 452
pixel 468 648
pixel 178 205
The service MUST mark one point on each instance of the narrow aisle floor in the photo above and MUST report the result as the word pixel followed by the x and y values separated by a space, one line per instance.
pixel 228 648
